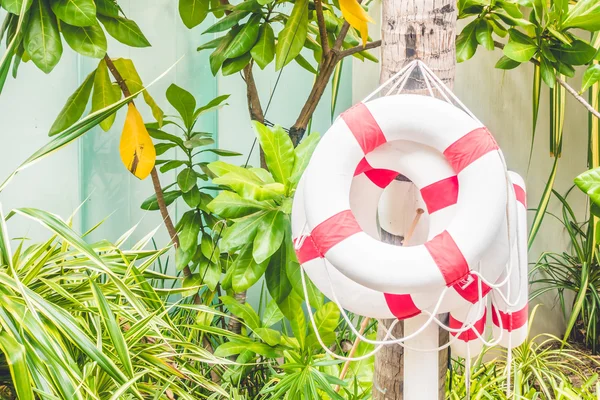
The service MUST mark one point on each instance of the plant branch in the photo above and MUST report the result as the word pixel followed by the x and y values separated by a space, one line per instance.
pixel 358 49
pixel 155 180
pixel 254 106
pixel 564 84
pixel 322 27
pixel 339 41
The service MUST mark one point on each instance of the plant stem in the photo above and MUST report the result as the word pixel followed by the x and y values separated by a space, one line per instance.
pixel 155 180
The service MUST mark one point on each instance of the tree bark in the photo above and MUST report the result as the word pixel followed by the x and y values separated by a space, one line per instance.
pixel 425 30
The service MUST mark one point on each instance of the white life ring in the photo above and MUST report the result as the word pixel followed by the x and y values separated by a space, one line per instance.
pixel 448 257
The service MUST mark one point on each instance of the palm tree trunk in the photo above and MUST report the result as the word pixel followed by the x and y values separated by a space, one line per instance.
pixel 425 30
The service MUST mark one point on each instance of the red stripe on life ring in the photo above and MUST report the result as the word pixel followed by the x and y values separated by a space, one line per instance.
pixel 362 167
pixel 307 251
pixel 520 195
pixel 440 194
pixel 363 126
pixel 401 305
pixel 470 148
pixel 468 288
pixel 469 334
pixel 511 321
pixel 448 258
pixel 334 230
pixel 381 177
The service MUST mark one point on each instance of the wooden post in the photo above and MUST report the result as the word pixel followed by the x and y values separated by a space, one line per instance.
pixel 425 30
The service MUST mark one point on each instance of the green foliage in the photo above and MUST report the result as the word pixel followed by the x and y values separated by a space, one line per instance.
pixel 250 28
pixel 35 28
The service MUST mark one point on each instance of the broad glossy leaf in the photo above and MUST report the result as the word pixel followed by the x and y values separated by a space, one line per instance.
pixel 232 348
pixel 242 232
pixel 589 183
pixel 245 38
pixel 223 153
pixel 212 105
pixel 263 51
pixel 193 12
pixel 585 15
pixel 127 70
pixel 186 179
pixel 506 63
pixel 269 235
pixel 483 32
pixel 183 257
pixel 249 186
pixel 246 271
pixel 327 318
pixel 211 44
pixel 15 6
pixel 466 42
pixel 107 7
pixel 189 230
pixel 105 93
pixel 217 57
pixel 88 40
pixel 228 22
pixel 183 102
pixel 162 148
pixel 243 311
pixel 278 149
pixel 303 153
pixel 591 76
pixel 151 203
pixel 578 53
pixel 234 65
pixel 548 73
pixel 520 47
pixel 198 142
pixel 75 12
pixel 193 197
pixel 304 63
pixel 136 147
pixel 291 38
pixel 272 314
pixel 269 336
pixel 279 285
pixel 74 107
pixel 209 250
pixel 230 205
pixel 124 30
pixel 42 38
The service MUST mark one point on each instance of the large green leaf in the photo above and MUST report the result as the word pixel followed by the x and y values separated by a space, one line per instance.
pixel 248 185
pixel 578 53
pixel 74 107
pixel 107 7
pixel 15 356
pixel 244 311
pixel 585 15
pixel 42 38
pixel 278 149
pixel 183 102
pixel 242 232
pixel 303 153
pixel 105 93
pixel 326 320
pixel 124 30
pixel 189 228
pixel 193 12
pixel 187 179
pixel 483 32
pixel 230 205
pixel 466 42
pixel 246 271
pixel 277 280
pixel 87 40
pixel 127 70
pixel 75 12
pixel 591 76
pixel 235 65
pixel 16 6
pixel 589 183
pixel 245 39
pixel 217 57
pixel 269 235
pixel 263 51
pixel 151 203
pixel 228 22
pixel 520 47
pixel 232 348
pixel 292 37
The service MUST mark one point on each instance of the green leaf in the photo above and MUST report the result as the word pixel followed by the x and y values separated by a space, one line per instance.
pixel 243 311
pixel 198 142
pixel 272 314
pixel 183 102
pixel 211 44
pixel 326 319
pixel 228 22
pixel 105 94
pixel 278 149
pixel 263 51
pixel 193 12
pixel 193 283
pixel 162 148
pixel 193 197
pixel 589 183
pixel 507 63
pixel 88 40
pixel 212 105
pixel 124 30
pixel 16 357
pixel 151 203
pixel 548 74
pixel 466 42
pixel 245 38
pixel 591 76
pixel 189 228
pixel 303 153
pixel 483 32
pixel 223 153
pixel 234 65
pixel 242 232
pixel 579 53
pixel 276 277
pixel 269 235
pixel 14 6
pixel 543 204
pixel 42 39
pixel 75 12
pixel 304 63
pixel 217 57
pixel 246 271
pixel 107 7
pixel 183 257
pixel 127 70
pixel 232 348
pixel 292 37
pixel 519 47
pixel 186 179
pixel 230 205
pixel 269 336
pixel 585 15
pixel 74 107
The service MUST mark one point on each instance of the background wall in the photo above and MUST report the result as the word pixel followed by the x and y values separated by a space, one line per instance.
pixel 91 168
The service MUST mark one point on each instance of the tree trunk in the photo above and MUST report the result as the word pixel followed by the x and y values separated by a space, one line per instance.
pixel 425 30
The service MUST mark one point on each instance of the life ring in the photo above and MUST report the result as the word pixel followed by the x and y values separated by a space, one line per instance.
pixel 447 258
pixel 367 187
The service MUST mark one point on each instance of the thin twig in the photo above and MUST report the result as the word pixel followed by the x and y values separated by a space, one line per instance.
pixel 346 367
pixel 322 27
pixel 341 36
pixel 358 49
pixel 564 84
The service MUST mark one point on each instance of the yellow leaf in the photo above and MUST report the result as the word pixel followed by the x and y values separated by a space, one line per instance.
pixel 136 148
pixel 357 17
